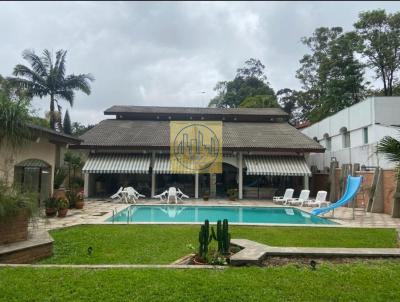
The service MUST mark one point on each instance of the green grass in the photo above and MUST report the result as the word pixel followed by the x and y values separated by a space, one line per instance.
pixel 161 244
pixel 365 281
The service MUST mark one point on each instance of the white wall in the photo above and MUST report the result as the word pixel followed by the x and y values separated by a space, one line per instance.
pixel 376 114
pixel 387 110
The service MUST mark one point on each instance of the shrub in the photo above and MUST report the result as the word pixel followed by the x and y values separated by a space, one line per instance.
pixel 12 201
pixel 63 203
pixel 233 193
pixel 51 203
pixel 59 177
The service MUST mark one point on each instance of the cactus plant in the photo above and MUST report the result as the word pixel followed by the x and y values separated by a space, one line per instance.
pixel 222 237
pixel 204 239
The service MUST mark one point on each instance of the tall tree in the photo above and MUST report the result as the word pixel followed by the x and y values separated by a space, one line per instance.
pixel 380 34
pixel 250 81
pixel 78 129
pixel 46 77
pixel 332 77
pixel 390 147
pixel 14 115
pixel 67 124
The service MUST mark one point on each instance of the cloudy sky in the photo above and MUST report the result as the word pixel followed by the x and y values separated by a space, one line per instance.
pixel 166 54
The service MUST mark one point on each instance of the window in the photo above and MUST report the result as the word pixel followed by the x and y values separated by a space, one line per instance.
pixel 345 137
pixel 328 143
pixel 365 135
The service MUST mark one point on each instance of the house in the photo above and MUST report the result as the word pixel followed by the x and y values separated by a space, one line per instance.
pixel 261 152
pixel 352 134
pixel 32 166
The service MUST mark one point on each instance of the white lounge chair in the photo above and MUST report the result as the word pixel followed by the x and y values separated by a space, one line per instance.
pixel 132 194
pixel 303 197
pixel 172 194
pixel 117 195
pixel 283 199
pixel 180 194
pixel 163 196
pixel 320 199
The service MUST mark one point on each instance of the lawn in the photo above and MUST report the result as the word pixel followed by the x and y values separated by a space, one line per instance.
pixel 365 281
pixel 162 244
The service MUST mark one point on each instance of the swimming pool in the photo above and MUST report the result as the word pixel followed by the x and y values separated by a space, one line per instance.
pixel 235 214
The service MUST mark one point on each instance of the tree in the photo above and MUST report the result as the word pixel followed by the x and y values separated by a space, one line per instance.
pixel 332 77
pixel 67 124
pixel 46 77
pixel 259 101
pixel 380 35
pixel 250 81
pixel 390 147
pixel 14 115
pixel 78 129
pixel 290 101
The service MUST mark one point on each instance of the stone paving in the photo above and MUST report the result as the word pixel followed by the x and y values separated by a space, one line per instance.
pixel 96 211
pixel 254 252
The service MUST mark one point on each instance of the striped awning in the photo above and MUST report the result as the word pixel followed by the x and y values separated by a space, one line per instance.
pixel 162 165
pixel 276 165
pixel 117 163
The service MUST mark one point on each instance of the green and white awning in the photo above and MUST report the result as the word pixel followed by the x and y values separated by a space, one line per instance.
pixel 117 163
pixel 276 165
pixel 162 165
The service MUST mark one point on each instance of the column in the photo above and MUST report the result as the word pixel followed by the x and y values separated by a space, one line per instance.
pixel 306 182
pixel 153 175
pixel 86 185
pixel 213 182
pixel 196 185
pixel 240 180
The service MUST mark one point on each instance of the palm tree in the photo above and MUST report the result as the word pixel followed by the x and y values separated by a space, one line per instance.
pixel 46 77
pixel 390 147
pixel 14 116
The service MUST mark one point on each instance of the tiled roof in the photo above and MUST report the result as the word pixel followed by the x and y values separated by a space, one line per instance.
pixel 54 135
pixel 194 110
pixel 236 135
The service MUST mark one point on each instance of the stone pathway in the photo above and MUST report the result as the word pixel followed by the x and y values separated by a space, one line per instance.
pixel 254 252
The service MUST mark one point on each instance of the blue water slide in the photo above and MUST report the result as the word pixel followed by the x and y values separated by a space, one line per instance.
pixel 352 187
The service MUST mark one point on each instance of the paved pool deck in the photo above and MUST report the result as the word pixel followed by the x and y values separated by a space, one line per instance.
pixel 96 211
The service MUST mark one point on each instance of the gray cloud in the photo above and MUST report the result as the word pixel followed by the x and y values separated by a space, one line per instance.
pixel 161 53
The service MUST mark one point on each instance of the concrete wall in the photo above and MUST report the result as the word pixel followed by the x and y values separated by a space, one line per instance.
pixel 40 149
pixel 377 114
pixel 389 187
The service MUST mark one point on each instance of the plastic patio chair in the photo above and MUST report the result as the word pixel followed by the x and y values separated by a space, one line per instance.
pixel 320 199
pixel 283 199
pixel 303 197
pixel 117 195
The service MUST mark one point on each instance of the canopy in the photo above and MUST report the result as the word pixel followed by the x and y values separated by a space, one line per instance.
pixel 117 163
pixel 276 165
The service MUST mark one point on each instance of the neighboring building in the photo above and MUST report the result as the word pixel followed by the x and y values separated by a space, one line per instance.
pixel 262 153
pixel 32 166
pixel 351 135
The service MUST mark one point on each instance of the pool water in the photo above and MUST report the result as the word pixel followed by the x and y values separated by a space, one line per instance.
pixel 235 214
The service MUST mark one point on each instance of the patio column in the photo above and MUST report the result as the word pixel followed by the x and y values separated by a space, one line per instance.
pixel 306 182
pixel 240 180
pixel 153 175
pixel 196 185
pixel 86 185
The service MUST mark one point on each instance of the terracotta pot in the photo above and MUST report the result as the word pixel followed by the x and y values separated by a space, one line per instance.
pixel 62 212
pixel 59 193
pixel 51 212
pixel 14 228
pixel 198 261
pixel 79 204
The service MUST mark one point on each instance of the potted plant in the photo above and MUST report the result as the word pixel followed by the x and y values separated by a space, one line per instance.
pixel 62 207
pixel 16 209
pixel 206 195
pixel 59 177
pixel 51 205
pixel 79 203
pixel 232 194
